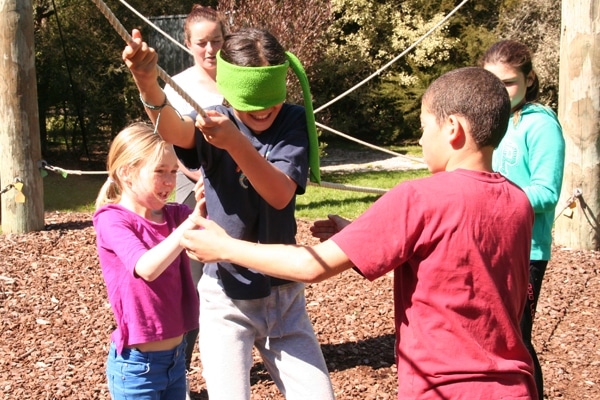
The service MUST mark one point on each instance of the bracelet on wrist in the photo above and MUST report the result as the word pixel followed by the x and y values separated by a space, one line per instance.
pixel 154 108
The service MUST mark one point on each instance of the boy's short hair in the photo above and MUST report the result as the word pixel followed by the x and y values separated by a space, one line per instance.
pixel 475 94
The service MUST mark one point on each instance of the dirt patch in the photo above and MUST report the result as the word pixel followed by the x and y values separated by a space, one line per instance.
pixel 56 322
pixel 340 160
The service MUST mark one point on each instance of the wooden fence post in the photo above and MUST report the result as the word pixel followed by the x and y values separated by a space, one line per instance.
pixel 579 113
pixel 20 149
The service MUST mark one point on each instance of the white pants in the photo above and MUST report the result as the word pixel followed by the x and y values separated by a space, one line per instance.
pixel 280 329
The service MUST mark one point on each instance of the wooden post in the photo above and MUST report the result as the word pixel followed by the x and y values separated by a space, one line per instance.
pixel 19 130
pixel 579 113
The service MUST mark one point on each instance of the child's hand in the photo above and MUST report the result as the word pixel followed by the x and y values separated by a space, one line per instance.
pixel 200 208
pixel 140 58
pixel 204 244
pixel 324 229
pixel 199 194
pixel 218 130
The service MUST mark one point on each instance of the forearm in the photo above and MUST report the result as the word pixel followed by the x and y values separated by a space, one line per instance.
pixel 545 183
pixel 274 186
pixel 172 127
pixel 546 149
pixel 142 62
pixel 156 260
pixel 292 262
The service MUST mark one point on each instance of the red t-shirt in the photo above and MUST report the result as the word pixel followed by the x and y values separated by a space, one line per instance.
pixel 458 243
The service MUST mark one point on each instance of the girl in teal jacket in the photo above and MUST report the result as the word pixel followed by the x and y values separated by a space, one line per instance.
pixel 531 155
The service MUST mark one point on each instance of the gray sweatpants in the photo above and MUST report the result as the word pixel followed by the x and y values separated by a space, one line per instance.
pixel 280 329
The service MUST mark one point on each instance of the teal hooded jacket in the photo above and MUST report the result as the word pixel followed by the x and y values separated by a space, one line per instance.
pixel 532 155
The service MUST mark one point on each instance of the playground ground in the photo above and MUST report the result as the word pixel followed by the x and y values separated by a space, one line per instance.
pixel 55 320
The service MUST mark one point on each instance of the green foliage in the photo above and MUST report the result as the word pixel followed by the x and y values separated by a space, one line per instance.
pixel 81 77
pixel 364 36
pixel 86 94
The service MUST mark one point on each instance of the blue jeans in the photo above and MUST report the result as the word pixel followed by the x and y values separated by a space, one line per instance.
pixel 155 375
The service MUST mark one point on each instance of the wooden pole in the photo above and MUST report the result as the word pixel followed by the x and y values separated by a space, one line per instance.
pixel 579 113
pixel 20 149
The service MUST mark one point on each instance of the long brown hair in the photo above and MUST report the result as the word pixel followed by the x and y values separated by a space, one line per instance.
pixel 516 55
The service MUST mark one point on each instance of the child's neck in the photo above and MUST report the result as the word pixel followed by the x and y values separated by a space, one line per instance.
pixel 480 160
pixel 144 212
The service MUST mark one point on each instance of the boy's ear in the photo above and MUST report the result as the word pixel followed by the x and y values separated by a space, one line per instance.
pixel 456 131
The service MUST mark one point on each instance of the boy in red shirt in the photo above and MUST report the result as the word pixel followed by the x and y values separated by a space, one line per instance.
pixel 457 241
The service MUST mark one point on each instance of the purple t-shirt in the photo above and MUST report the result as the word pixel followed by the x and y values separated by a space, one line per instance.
pixel 144 311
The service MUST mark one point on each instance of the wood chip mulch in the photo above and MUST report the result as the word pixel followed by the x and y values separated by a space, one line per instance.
pixel 55 322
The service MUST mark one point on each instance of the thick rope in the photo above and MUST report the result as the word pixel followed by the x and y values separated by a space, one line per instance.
pixel 156 28
pixel 65 172
pixel 163 75
pixel 410 158
pixel 349 188
pixel 43 165
pixel 161 72
pixel 380 70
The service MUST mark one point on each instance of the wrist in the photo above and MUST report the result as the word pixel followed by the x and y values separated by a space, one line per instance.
pixel 154 107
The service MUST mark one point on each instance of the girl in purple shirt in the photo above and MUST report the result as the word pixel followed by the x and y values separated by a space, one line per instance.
pixel 147 275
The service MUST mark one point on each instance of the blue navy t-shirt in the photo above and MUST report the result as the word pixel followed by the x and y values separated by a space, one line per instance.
pixel 233 203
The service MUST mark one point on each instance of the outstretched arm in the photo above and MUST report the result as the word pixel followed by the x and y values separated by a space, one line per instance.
pixel 142 62
pixel 294 262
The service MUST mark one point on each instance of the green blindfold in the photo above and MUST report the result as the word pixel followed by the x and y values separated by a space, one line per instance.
pixel 258 88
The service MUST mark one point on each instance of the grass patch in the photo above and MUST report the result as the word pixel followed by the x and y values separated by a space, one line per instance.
pixel 317 202
pixel 78 193
pixel 75 193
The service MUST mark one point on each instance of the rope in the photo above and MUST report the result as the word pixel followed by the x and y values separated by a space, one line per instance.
pixel 43 165
pixel 7 188
pixel 65 172
pixel 153 25
pixel 380 70
pixel 410 158
pixel 350 188
pixel 161 72
pixel 125 35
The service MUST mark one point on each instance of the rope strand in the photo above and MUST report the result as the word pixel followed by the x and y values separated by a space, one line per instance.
pixel 156 28
pixel 380 70
pixel 161 72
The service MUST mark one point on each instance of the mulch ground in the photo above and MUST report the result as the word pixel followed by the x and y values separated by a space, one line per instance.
pixel 56 321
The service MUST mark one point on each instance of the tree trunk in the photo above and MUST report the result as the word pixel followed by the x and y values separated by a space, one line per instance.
pixel 19 129
pixel 579 113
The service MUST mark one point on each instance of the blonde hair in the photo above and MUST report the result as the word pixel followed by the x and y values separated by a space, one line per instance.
pixel 133 148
